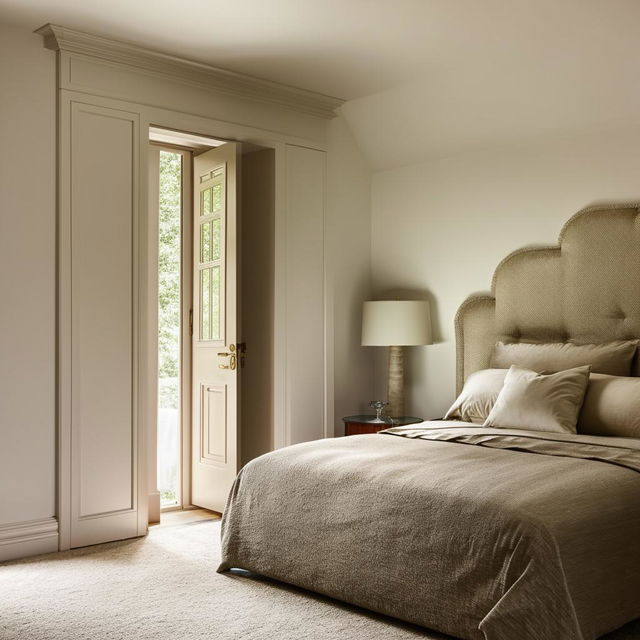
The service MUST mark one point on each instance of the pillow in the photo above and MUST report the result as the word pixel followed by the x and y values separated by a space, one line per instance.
pixel 613 358
pixel 611 407
pixel 478 396
pixel 530 400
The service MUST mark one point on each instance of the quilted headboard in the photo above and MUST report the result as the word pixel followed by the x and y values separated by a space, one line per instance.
pixel 585 289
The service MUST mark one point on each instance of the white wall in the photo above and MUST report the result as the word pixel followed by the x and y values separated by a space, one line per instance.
pixel 441 228
pixel 348 240
pixel 27 277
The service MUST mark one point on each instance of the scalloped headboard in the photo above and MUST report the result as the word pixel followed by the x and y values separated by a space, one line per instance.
pixel 586 289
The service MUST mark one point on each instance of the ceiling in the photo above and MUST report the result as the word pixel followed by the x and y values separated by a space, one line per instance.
pixel 424 78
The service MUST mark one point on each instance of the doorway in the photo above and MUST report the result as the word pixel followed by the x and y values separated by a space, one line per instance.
pixel 198 444
pixel 170 178
pixel 170 295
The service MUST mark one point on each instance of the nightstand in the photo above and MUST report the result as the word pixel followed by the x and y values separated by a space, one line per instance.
pixel 356 425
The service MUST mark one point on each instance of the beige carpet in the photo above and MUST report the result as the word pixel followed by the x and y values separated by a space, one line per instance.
pixel 164 587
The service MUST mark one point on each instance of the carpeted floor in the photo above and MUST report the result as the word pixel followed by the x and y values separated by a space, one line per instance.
pixel 164 587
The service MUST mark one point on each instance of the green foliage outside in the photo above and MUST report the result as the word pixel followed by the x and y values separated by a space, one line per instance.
pixel 168 497
pixel 169 280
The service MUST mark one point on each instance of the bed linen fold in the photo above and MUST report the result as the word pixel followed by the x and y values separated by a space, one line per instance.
pixel 625 452
pixel 481 535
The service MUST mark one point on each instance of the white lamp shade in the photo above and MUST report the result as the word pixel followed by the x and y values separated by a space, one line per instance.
pixel 396 322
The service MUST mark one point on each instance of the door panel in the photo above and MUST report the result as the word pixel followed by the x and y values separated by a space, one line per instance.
pixel 104 158
pixel 215 334
pixel 305 335
pixel 213 440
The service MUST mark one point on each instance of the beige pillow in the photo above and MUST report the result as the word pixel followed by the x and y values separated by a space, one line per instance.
pixel 478 396
pixel 530 400
pixel 613 358
pixel 611 407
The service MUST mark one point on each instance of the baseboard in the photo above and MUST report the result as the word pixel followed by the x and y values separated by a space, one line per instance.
pixel 21 539
pixel 154 507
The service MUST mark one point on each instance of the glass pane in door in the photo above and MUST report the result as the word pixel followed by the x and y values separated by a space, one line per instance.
pixel 205 304
pixel 205 242
pixel 210 251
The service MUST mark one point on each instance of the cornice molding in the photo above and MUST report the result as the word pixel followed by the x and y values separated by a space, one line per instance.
pixel 59 38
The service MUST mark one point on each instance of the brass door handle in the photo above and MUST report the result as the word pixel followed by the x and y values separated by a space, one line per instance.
pixel 232 358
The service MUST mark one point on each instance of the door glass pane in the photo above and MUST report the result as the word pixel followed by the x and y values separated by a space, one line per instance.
pixel 211 254
pixel 205 202
pixel 215 303
pixel 205 302
pixel 169 318
pixel 215 242
pixel 216 198
pixel 205 242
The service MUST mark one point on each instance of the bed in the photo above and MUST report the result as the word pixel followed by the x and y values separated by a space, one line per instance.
pixel 483 532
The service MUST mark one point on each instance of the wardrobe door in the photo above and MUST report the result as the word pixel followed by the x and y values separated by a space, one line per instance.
pixel 103 201
pixel 304 341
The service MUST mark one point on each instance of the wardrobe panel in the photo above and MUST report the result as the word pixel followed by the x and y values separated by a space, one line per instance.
pixel 104 150
pixel 305 307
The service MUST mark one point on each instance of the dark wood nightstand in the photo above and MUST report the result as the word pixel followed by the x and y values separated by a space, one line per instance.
pixel 356 425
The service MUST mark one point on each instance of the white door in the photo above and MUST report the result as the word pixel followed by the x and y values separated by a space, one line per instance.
pixel 216 362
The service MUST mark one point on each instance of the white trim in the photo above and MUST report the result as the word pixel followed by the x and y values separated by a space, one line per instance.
pixel 21 539
pixel 144 381
pixel 328 295
pixel 199 74
pixel 162 117
pixel 150 397
pixel 186 303
pixel 280 408
pixel 63 312
pixel 153 500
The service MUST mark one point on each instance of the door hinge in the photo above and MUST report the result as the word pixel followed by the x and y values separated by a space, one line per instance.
pixel 190 322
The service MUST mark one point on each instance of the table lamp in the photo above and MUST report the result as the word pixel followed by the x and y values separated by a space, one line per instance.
pixel 396 324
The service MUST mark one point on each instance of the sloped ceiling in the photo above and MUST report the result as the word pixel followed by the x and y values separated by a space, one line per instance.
pixel 522 71
pixel 424 78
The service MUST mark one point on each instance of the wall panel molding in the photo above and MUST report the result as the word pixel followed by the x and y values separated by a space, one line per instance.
pixel 304 340
pixel 60 38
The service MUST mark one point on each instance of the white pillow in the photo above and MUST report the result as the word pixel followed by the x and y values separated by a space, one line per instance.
pixel 530 400
pixel 478 396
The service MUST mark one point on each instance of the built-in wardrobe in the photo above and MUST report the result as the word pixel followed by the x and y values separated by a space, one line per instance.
pixel 109 94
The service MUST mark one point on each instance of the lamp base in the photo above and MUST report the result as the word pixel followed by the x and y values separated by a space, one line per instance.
pixel 396 382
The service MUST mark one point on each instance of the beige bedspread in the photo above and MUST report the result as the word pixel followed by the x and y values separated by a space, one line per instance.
pixel 520 536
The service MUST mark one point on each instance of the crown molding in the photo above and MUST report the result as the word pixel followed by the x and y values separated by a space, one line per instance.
pixel 59 38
